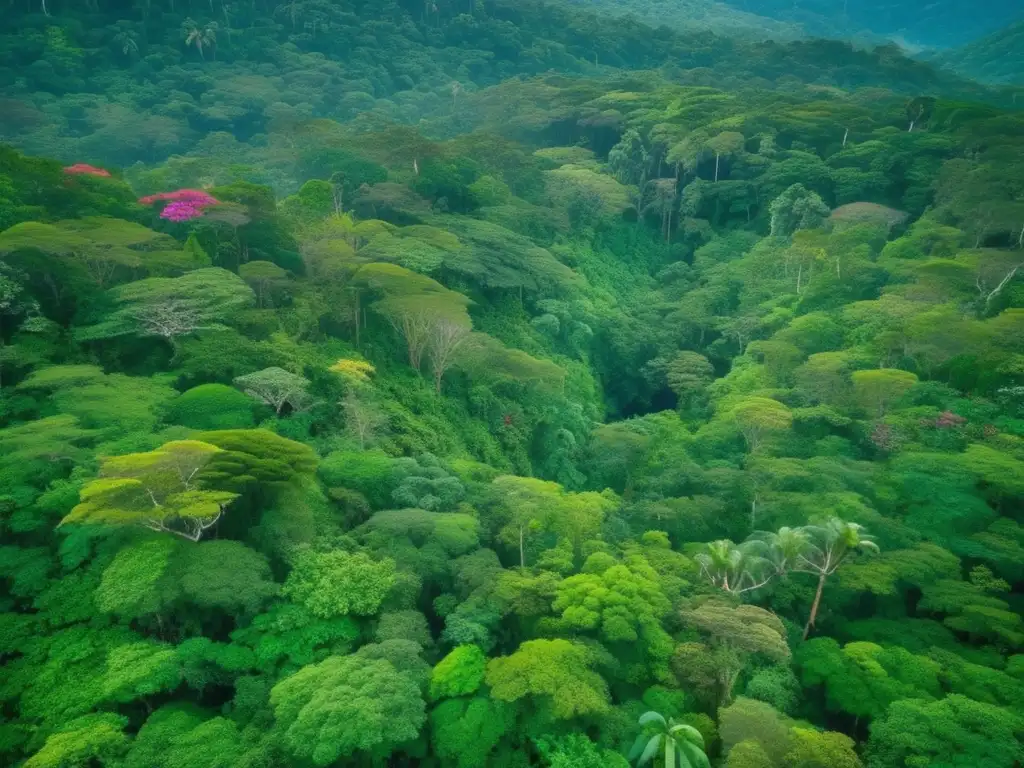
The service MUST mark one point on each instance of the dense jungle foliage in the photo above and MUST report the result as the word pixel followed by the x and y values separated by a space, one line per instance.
pixel 388 384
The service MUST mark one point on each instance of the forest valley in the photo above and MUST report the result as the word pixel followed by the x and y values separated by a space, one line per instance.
pixel 393 384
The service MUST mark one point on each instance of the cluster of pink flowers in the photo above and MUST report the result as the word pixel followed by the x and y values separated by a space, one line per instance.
pixel 884 437
pixel 85 169
pixel 945 420
pixel 182 204
pixel 948 419
pixel 181 211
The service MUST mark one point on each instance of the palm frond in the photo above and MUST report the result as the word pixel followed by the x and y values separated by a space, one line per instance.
pixel 652 749
pixel 650 717
pixel 691 756
pixel 638 747
pixel 688 734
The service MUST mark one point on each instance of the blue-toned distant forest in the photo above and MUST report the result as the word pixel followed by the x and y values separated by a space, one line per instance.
pixel 472 383
pixel 922 22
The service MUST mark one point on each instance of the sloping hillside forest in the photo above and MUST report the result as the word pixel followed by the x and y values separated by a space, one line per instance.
pixel 998 57
pixel 470 384
pixel 938 23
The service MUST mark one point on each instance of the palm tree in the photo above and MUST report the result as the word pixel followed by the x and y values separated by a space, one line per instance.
pixel 828 547
pixel 785 547
pixel 736 568
pixel 125 40
pixel 200 37
pixel 682 744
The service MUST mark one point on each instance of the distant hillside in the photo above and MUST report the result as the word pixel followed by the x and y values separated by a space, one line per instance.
pixel 936 23
pixel 697 15
pixel 995 58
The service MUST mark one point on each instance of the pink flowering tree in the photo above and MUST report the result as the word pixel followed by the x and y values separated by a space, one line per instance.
pixel 182 204
pixel 84 169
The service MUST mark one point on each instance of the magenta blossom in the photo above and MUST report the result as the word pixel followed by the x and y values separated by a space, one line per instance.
pixel 181 211
pixel 182 204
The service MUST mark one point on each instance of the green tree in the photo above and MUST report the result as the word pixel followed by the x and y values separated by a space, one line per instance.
pixel 830 545
pixel 277 388
pixel 344 705
pixel 212 406
pixel 624 605
pixel 688 374
pixel 751 722
pixel 429 317
pixel 816 749
pixel 734 634
pixel 955 732
pixel 201 37
pixel 526 504
pixel 265 278
pixel 863 678
pixel 877 390
pixel 465 732
pixel 630 162
pixel 163 490
pixel 759 417
pixel 797 208
pixel 332 584
pixel 727 143
pixel 91 737
pixel 558 673
pixel 736 568
pixel 460 673
pixel 172 307
pixel 577 751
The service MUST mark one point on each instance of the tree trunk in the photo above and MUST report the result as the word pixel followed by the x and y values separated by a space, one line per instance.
pixel 718 159
pixel 357 318
pixel 845 137
pixel 522 553
pixel 815 605
pixel 1002 284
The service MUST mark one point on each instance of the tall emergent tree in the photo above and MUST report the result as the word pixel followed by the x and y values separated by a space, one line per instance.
pixel 829 545
pixel 163 490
